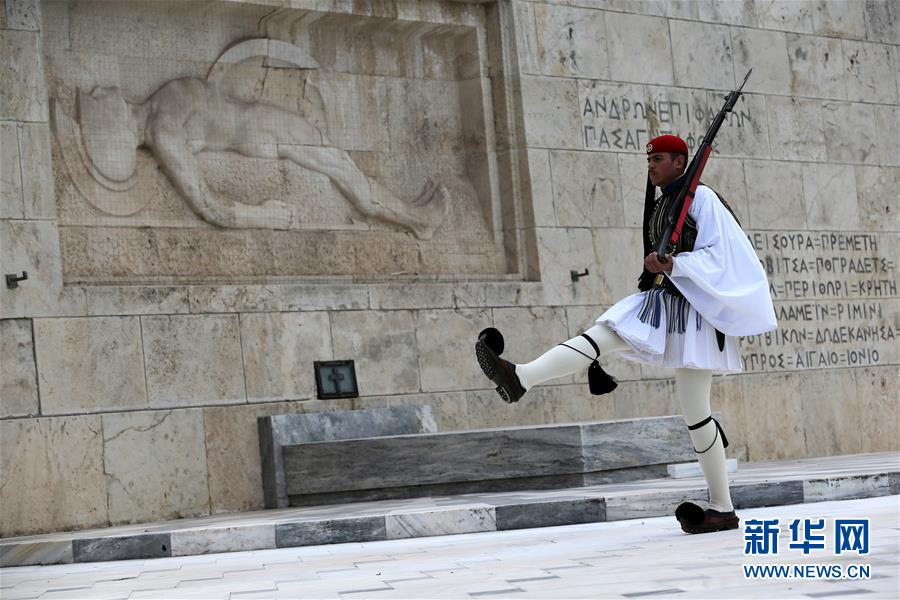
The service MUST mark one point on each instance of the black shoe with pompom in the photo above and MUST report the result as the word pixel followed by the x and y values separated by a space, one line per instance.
pixel 694 519
pixel 488 348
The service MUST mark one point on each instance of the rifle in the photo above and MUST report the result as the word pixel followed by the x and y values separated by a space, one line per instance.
pixel 685 196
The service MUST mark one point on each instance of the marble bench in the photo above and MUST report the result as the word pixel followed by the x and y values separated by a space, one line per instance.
pixel 486 460
pixel 304 428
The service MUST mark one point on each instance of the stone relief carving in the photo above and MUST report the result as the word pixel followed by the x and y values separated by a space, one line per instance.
pixel 187 116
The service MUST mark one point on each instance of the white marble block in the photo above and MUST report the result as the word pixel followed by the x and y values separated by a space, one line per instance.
pixel 839 18
pixel 173 484
pixel 639 49
pixel 874 187
pixel 767 51
pixel 444 341
pixel 90 364
pixel 707 64
pixel 796 128
pixel 23 93
pixel 52 475
pixel 18 376
pixel 850 135
pixel 615 248
pixel 571 41
pixel 787 15
pixel 830 197
pixel 586 190
pixel 733 12
pixel 23 14
pixel 33 246
pixel 882 22
pixel 777 195
pixel 279 350
pixel 10 173
pixel 383 346
pixel 817 67
pixel 38 193
pixel 887 126
pixel 551 111
pixel 193 359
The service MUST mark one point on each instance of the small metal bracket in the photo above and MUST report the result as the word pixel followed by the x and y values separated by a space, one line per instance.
pixel 12 280
pixel 576 275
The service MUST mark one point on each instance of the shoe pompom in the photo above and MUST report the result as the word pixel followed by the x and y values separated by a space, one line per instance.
pixel 689 514
pixel 493 339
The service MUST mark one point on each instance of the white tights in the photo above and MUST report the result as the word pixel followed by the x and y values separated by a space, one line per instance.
pixel 692 385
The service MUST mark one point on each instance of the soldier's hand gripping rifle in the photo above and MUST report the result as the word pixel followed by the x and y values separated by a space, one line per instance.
pixel 678 212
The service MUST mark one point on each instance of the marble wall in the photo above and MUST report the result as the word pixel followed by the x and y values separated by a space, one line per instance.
pixel 129 392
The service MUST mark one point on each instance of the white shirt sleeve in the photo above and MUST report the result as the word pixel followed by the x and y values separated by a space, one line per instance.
pixel 722 277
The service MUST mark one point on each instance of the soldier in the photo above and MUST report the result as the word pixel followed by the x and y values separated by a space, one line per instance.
pixel 688 315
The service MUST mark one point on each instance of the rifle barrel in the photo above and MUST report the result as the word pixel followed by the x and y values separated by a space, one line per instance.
pixel 691 173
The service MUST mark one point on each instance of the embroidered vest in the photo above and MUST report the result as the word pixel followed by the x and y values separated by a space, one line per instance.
pixel 666 297
pixel 657 227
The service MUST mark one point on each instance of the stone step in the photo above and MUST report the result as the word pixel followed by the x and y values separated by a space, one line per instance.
pixel 755 485
pixel 483 460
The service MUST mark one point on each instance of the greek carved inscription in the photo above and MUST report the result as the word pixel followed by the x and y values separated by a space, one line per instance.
pixel 619 122
pixel 825 265
pixel 835 299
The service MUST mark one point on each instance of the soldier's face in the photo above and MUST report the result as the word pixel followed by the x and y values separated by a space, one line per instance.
pixel 663 169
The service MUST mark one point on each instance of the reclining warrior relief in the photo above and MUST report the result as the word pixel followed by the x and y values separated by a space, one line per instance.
pixel 187 116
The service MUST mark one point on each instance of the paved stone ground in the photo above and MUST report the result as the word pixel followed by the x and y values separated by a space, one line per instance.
pixel 631 559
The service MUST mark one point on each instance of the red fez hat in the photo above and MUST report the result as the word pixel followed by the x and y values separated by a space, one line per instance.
pixel 667 143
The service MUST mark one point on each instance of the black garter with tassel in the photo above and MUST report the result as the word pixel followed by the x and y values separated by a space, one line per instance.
pixel 599 381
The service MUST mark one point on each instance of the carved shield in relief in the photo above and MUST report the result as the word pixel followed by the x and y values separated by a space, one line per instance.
pixel 107 129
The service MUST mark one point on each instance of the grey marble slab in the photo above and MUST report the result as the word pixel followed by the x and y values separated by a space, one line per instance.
pixel 431 459
pixel 152 545
pixel 441 522
pixel 636 442
pixel 776 493
pixel 279 430
pixel 36 553
pixel 334 531
pixel 223 539
pixel 652 503
pixel 550 514
pixel 846 488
